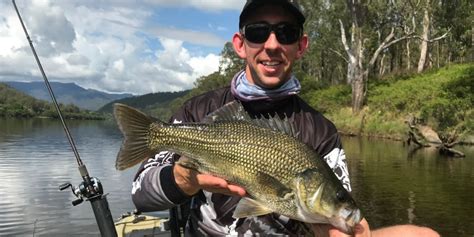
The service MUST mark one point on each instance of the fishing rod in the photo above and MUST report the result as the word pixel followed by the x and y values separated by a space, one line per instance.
pixel 90 188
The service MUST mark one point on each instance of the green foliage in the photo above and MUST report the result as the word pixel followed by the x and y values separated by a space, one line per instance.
pixel 230 62
pixel 210 82
pixel 442 112
pixel 443 99
pixel 345 121
pixel 384 125
pixel 453 108
pixel 322 62
pixel 19 105
pixel 329 99
pixel 415 94
pixel 202 85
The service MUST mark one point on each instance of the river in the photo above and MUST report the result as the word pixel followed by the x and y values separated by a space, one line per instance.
pixel 391 184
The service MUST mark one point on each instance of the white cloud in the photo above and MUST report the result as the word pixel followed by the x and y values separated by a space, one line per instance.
pixel 53 32
pixel 105 45
pixel 205 5
pixel 196 37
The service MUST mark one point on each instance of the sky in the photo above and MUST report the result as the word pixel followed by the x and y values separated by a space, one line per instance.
pixel 117 46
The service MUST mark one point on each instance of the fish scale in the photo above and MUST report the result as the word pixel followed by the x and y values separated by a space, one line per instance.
pixel 231 147
pixel 279 173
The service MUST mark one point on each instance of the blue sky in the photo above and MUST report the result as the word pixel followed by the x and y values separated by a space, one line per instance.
pixel 138 47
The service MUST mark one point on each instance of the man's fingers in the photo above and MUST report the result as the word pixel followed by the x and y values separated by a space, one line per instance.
pixel 237 190
pixel 320 230
pixel 219 185
pixel 359 228
pixel 209 181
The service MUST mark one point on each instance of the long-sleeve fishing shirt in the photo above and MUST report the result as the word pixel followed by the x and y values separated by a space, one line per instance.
pixel 210 214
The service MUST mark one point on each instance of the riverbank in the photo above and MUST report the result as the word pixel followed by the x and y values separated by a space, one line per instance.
pixel 386 180
pixel 15 104
pixel 441 99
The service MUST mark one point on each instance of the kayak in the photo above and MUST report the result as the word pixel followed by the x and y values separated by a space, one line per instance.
pixel 134 225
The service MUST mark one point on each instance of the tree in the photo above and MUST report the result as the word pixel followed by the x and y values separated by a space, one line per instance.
pixel 321 65
pixel 425 36
pixel 230 63
pixel 358 67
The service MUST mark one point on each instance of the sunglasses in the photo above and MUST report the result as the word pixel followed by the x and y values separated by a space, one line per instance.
pixel 286 33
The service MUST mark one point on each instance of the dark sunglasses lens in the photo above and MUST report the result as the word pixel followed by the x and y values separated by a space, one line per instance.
pixel 257 33
pixel 287 34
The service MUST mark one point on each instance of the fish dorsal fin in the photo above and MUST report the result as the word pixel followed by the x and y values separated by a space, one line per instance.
pixel 234 111
pixel 250 207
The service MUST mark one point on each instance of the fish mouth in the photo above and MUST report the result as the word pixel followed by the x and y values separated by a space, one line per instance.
pixel 354 218
pixel 347 220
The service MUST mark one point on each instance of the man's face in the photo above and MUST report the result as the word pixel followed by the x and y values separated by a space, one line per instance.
pixel 269 64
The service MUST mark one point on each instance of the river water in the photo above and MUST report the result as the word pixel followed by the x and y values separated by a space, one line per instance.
pixel 391 184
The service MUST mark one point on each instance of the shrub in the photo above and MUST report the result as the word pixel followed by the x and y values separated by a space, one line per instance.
pixel 330 99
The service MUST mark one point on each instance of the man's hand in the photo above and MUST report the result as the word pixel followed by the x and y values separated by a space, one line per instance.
pixel 361 230
pixel 191 181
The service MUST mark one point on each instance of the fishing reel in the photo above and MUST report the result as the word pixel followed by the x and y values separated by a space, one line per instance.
pixel 84 191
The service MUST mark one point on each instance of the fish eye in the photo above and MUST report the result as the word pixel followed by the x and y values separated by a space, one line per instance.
pixel 342 195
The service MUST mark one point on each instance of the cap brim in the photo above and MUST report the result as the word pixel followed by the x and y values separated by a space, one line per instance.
pixel 252 5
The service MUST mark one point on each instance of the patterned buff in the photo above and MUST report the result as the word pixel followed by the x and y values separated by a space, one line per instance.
pixel 245 91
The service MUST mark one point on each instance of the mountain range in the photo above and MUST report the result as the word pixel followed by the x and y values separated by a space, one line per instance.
pixel 68 93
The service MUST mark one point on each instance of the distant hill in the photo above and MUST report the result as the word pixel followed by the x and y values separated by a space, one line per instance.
pixel 154 104
pixel 67 93
pixel 16 104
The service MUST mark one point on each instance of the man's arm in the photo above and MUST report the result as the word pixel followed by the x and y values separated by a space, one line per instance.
pixel 154 187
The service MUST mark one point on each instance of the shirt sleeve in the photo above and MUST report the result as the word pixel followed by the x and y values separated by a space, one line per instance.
pixel 154 187
pixel 336 159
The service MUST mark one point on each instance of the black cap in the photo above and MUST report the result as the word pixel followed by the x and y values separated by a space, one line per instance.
pixel 292 5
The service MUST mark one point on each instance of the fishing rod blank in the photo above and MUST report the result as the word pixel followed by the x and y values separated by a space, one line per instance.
pixel 91 188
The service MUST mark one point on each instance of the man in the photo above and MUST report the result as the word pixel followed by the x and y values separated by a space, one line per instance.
pixel 271 40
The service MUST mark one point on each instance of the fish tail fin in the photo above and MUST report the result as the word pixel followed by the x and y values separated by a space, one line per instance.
pixel 135 127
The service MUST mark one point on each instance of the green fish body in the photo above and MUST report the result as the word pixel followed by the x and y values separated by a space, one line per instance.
pixel 279 173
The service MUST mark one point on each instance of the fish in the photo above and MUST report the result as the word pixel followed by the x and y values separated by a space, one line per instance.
pixel 263 155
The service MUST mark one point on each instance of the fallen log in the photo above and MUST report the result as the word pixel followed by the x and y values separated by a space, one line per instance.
pixel 423 136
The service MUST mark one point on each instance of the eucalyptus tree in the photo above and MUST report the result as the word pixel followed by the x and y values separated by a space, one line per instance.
pixel 457 16
pixel 363 25
pixel 230 63
pixel 322 65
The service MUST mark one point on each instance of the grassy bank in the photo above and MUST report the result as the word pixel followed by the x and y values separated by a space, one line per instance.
pixel 442 99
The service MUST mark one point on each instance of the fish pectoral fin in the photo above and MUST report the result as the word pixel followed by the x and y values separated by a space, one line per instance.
pixel 188 163
pixel 250 207
pixel 274 186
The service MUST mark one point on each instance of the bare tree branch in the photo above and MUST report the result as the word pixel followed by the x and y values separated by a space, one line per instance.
pixel 339 54
pixel 352 58
pixel 387 43
pixel 381 47
pixel 343 39
pixel 435 39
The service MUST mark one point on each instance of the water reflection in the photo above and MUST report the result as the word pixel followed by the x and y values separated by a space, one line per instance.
pixel 434 190
pixel 391 185
pixel 35 158
pixel 411 208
